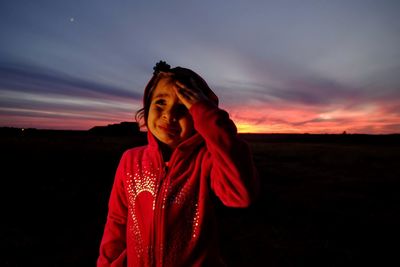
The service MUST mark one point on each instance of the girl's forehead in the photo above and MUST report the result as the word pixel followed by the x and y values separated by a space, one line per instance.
pixel 164 88
pixel 166 82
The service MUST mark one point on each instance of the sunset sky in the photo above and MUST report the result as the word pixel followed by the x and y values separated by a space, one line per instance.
pixel 309 66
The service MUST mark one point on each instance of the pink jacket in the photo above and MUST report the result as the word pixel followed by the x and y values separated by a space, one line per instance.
pixel 164 216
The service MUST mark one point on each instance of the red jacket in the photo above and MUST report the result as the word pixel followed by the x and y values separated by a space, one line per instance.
pixel 164 216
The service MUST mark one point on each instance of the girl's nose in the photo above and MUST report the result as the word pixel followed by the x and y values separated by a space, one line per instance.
pixel 168 116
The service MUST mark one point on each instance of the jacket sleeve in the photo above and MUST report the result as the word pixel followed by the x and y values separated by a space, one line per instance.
pixel 234 178
pixel 113 243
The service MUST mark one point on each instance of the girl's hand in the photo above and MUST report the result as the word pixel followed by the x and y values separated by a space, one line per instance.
pixel 189 95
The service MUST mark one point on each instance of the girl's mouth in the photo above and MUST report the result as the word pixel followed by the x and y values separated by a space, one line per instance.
pixel 169 129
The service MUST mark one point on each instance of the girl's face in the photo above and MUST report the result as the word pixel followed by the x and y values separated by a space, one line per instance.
pixel 168 119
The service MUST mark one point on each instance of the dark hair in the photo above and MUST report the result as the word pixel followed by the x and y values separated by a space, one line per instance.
pixel 163 70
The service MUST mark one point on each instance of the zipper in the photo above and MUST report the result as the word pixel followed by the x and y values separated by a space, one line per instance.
pixel 157 238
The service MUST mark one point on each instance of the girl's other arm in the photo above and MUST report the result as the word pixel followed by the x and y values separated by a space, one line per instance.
pixel 113 243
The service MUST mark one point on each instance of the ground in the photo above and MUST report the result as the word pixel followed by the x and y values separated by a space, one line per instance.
pixel 326 200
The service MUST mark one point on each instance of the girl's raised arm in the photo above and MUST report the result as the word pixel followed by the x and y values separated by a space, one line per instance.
pixel 234 178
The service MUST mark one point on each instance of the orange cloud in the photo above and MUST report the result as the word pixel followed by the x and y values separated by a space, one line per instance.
pixel 370 119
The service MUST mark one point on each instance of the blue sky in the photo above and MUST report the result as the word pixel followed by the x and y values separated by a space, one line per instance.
pixel 277 66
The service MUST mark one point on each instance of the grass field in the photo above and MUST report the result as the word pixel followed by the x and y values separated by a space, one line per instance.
pixel 326 200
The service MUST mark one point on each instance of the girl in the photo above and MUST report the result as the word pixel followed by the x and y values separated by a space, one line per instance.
pixel 161 210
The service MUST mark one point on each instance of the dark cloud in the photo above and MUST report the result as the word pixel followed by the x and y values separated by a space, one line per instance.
pixel 322 120
pixel 317 92
pixel 57 106
pixel 52 115
pixel 32 79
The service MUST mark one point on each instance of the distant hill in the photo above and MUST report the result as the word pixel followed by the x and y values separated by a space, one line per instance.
pixel 123 128
pixel 117 129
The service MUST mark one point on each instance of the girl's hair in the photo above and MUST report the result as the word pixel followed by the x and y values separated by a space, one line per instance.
pixel 163 70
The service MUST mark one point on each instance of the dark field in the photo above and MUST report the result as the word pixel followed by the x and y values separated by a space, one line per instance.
pixel 327 200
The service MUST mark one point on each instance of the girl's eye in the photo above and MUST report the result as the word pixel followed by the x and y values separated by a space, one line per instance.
pixel 160 102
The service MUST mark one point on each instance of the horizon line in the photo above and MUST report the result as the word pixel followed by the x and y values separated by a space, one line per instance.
pixel 253 133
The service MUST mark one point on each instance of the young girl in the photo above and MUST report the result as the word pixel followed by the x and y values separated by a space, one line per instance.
pixel 161 207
